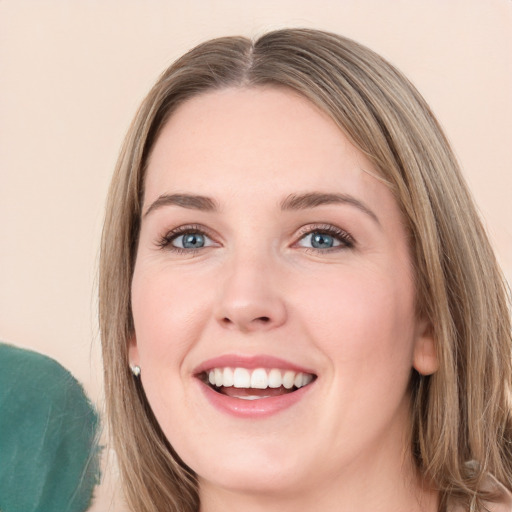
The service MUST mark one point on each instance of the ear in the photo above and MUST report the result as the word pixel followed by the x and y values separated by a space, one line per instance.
pixel 133 351
pixel 425 360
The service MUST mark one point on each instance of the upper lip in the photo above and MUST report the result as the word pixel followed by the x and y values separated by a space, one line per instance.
pixel 250 362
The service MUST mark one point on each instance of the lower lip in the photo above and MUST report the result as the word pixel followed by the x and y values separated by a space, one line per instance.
pixel 259 408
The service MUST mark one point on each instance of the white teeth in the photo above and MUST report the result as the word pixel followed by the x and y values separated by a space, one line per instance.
pixel 274 379
pixel 260 378
pixel 228 377
pixel 306 379
pixel 288 379
pixel 241 378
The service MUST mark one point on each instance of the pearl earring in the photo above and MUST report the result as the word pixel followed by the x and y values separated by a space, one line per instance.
pixel 135 370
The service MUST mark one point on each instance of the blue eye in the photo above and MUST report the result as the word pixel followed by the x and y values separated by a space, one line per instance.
pixel 190 241
pixel 322 241
pixel 326 238
pixel 185 239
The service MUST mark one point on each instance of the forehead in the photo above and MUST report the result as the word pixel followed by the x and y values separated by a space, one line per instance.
pixel 265 140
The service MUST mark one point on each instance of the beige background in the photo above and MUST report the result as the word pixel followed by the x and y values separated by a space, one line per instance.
pixel 73 72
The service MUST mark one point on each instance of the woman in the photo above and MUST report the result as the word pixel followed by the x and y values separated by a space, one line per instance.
pixel 295 272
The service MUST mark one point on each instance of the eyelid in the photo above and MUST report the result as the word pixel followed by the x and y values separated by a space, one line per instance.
pixel 346 239
pixel 165 241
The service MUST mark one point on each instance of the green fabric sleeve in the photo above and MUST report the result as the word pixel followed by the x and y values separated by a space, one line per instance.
pixel 49 457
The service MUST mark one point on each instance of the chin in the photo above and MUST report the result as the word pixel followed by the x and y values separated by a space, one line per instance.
pixel 252 477
pixel 262 469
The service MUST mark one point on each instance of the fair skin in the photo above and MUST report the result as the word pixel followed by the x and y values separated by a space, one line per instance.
pixel 257 277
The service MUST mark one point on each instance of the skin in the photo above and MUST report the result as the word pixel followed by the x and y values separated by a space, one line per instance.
pixel 259 287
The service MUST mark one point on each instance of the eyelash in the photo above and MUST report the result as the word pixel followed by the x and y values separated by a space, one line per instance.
pixel 347 241
pixel 165 242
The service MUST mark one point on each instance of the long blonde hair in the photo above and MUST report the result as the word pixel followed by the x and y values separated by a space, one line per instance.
pixel 461 413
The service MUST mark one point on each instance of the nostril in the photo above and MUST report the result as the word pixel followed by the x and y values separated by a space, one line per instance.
pixel 259 319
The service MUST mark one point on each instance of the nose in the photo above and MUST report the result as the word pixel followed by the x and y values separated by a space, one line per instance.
pixel 250 298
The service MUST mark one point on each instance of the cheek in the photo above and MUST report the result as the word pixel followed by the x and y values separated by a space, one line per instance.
pixel 169 312
pixel 364 324
pixel 361 318
pixel 169 316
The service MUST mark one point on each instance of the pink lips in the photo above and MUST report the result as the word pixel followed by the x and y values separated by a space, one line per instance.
pixel 259 408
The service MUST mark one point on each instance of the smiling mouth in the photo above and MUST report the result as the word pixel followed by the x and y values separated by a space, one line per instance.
pixel 255 384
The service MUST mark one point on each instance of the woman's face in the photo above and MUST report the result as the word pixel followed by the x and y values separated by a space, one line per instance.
pixel 272 262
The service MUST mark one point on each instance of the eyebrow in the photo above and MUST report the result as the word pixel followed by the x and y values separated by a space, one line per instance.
pixel 292 202
pixel 190 201
pixel 315 199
